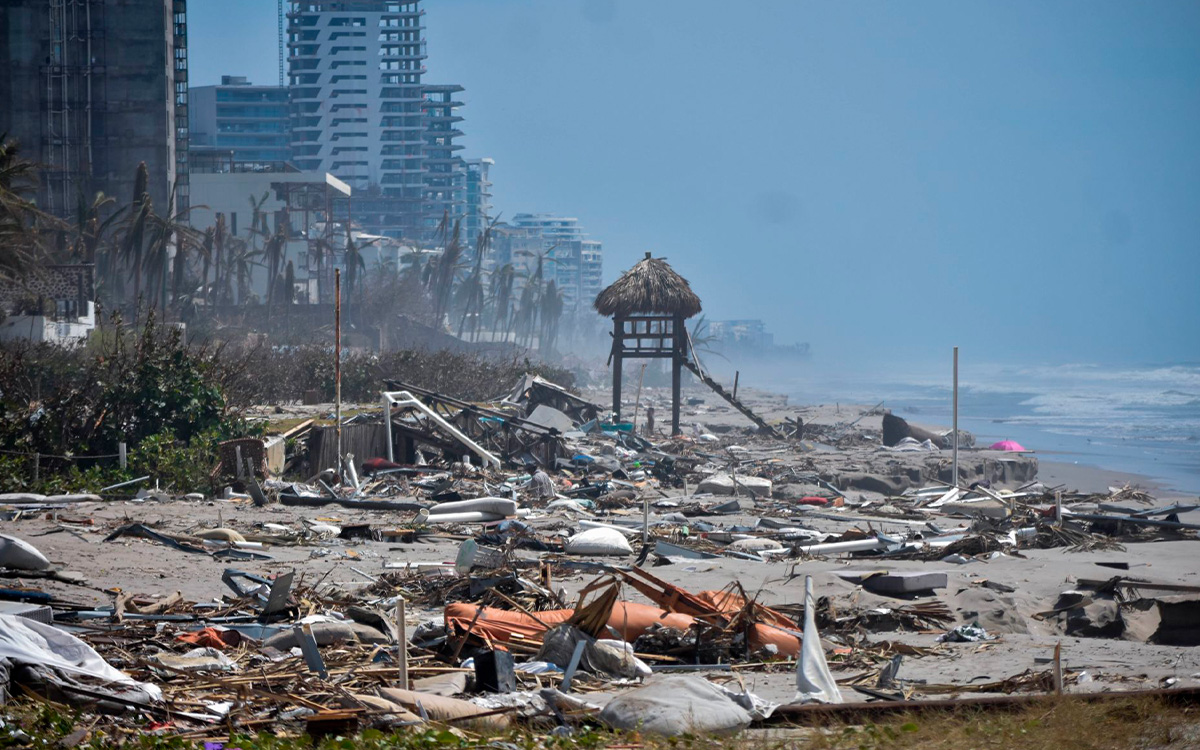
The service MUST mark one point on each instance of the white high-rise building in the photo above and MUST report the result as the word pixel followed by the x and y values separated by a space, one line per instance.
pixel 355 75
pixel 576 264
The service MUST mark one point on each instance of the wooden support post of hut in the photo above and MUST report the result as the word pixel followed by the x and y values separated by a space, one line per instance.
pixel 649 305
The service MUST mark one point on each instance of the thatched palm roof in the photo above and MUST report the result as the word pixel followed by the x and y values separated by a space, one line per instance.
pixel 651 286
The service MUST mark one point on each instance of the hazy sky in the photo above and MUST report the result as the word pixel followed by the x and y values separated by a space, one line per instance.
pixel 883 180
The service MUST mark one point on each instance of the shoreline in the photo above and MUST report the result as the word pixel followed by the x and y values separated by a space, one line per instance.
pixel 1054 468
pixel 1090 478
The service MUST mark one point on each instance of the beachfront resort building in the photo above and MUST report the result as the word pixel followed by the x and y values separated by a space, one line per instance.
pixel 478 213
pixel 248 123
pixel 574 262
pixel 285 200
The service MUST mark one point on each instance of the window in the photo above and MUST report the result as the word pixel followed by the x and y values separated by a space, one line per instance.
pixel 412 123
pixel 396 107
pixel 399 93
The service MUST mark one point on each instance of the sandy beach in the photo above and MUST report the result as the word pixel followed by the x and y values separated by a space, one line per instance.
pixel 1113 634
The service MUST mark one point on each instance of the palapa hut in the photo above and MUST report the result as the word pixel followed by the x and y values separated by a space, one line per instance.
pixel 649 305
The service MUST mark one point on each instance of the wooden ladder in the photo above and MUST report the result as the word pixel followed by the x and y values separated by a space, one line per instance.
pixel 734 402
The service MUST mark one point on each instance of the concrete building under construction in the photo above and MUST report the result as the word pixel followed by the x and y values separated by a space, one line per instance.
pixel 90 88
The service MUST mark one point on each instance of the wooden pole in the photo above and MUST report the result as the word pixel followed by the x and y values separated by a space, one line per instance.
pixel 618 344
pixel 954 464
pixel 337 362
pixel 736 375
pixel 677 355
pixel 402 643
pixel 645 520
pixel 1058 675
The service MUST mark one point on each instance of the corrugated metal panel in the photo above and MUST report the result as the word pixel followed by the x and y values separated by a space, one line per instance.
pixel 363 440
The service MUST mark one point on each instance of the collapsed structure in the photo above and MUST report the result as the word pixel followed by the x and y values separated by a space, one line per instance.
pixel 444 584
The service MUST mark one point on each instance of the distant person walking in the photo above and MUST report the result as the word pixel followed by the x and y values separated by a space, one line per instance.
pixel 649 420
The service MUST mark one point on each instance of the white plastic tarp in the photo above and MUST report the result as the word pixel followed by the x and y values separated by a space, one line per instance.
pixel 24 641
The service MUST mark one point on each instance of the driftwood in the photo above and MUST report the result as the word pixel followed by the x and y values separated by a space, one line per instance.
pixel 896 429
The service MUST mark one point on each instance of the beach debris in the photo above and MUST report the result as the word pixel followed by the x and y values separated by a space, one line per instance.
pixel 18 554
pixel 732 484
pixel 972 633
pixel 603 541
pixel 814 681
pixel 675 705
pixel 515 574
pixel 57 658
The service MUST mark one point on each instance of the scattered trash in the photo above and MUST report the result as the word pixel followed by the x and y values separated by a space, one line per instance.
pixel 492 564
pixel 972 633
pixel 18 554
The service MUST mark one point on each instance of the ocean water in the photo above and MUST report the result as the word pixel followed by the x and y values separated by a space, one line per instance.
pixel 1139 419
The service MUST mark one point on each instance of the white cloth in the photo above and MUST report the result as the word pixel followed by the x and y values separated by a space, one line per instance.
pixel 814 682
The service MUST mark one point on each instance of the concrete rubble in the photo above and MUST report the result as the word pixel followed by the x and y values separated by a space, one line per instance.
pixel 658 584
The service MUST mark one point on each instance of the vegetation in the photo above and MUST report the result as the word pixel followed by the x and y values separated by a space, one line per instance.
pixel 64 412
pixel 149 257
pixel 68 410
pixel 1133 723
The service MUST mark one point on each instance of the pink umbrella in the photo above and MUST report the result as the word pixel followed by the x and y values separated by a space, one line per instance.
pixel 1007 445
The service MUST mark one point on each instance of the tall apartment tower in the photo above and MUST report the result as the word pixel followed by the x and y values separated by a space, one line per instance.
pixel 478 211
pixel 90 88
pixel 445 170
pixel 355 69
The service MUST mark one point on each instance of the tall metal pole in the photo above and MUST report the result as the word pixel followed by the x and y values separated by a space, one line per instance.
pixel 954 469
pixel 337 363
